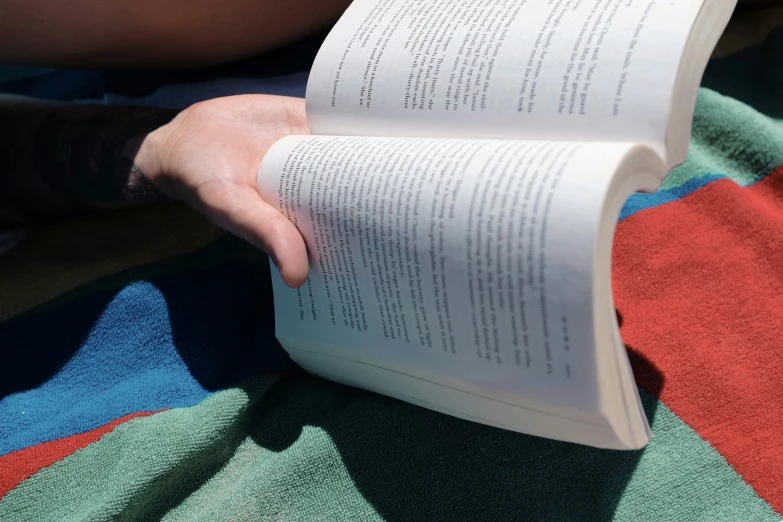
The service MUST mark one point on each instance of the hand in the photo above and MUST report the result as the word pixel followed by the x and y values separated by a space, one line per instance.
pixel 209 156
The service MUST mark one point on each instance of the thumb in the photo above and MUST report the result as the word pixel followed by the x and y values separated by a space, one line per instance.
pixel 248 216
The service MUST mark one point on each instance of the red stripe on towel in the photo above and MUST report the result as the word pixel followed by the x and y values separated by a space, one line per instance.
pixel 18 466
pixel 698 284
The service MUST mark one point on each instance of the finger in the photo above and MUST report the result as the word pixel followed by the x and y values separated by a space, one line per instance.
pixel 246 215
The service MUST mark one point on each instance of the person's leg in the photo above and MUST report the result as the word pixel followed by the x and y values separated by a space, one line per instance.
pixel 151 33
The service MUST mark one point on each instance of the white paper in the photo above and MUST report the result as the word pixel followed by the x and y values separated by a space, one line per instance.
pixel 470 258
pixel 598 70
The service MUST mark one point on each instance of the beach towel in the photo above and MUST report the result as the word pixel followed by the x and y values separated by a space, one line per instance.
pixel 140 377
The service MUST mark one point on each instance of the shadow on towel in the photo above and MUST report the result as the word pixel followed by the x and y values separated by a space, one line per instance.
pixel 406 461
pixel 411 464
pixel 760 66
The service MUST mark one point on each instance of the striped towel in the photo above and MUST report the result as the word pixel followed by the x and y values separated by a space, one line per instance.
pixel 142 380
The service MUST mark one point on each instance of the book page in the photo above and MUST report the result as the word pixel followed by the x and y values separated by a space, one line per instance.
pixel 599 70
pixel 472 259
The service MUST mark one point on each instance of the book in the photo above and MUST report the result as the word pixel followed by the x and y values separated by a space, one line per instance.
pixel 458 198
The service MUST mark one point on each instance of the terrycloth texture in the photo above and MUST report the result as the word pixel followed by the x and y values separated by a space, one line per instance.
pixel 102 334
pixel 297 448
pixel 719 345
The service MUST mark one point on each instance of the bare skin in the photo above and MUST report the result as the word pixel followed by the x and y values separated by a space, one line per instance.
pixel 59 160
pixel 209 156
pixel 154 33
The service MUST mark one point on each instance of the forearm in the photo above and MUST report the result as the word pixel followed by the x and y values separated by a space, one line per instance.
pixel 151 33
pixel 57 160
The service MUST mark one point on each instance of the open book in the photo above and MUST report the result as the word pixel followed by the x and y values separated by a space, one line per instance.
pixel 459 196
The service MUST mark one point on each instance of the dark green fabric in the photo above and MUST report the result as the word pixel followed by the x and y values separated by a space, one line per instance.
pixel 300 448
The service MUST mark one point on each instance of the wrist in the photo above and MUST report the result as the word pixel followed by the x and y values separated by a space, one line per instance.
pixel 146 152
pixel 144 158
